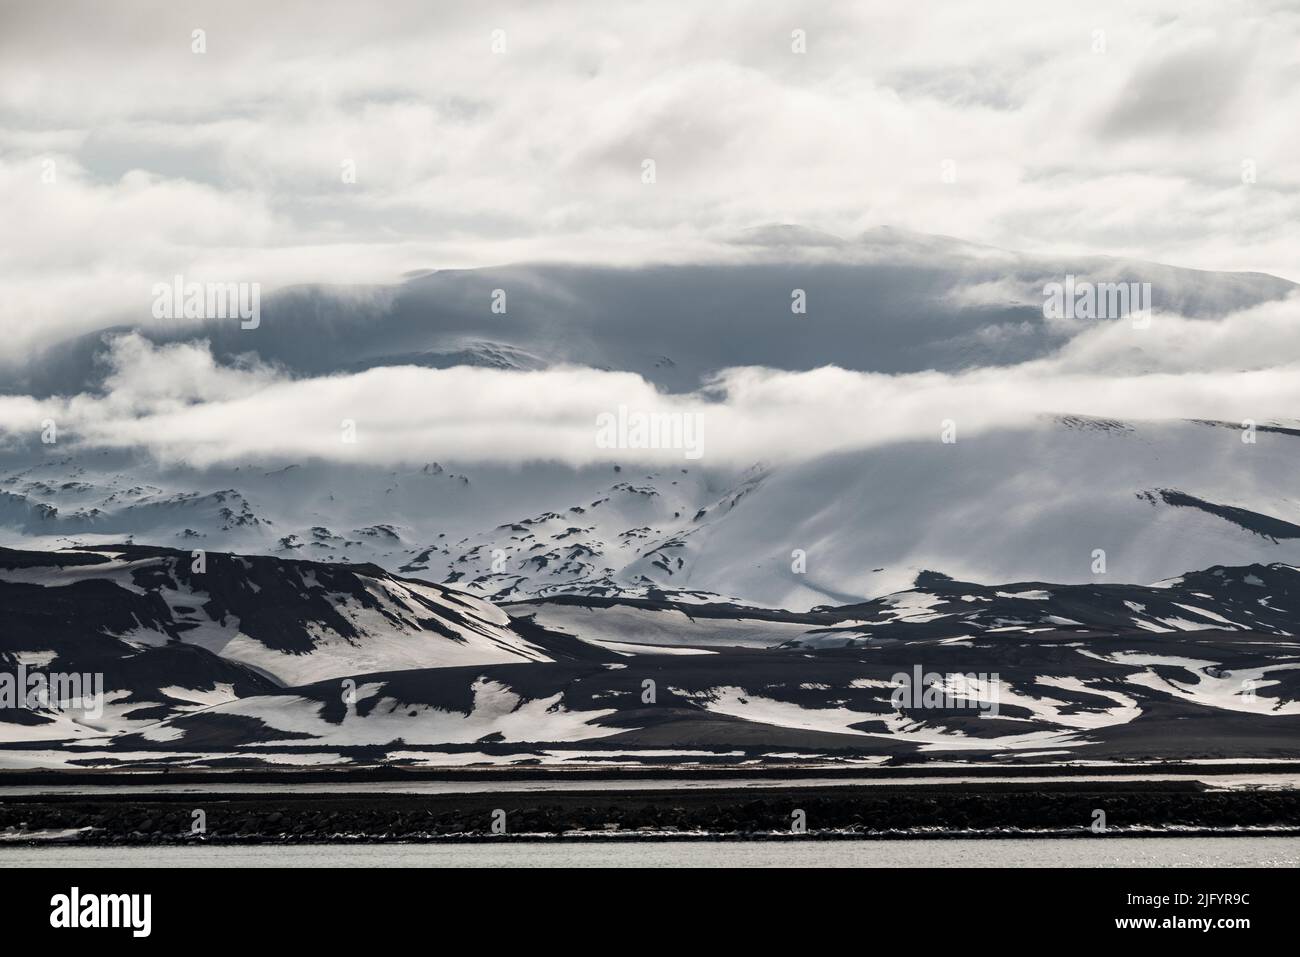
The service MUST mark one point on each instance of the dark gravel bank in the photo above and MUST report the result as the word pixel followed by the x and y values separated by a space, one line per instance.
pixel 877 811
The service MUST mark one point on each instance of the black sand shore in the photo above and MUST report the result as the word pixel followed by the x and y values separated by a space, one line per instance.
pixel 1004 808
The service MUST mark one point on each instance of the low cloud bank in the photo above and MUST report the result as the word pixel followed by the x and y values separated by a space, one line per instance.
pixel 180 405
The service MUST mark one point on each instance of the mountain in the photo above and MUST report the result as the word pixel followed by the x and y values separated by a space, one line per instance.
pixel 257 660
pixel 1037 500
pixel 888 300
pixel 289 621
pixel 1111 698
pixel 299 609
pixel 1011 504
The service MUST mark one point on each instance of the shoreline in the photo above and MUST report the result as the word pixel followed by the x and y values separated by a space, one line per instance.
pixel 55 778
pixel 605 837
pixel 816 812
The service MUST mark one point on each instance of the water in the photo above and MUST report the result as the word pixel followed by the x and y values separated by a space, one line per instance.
pixel 1262 780
pixel 1011 852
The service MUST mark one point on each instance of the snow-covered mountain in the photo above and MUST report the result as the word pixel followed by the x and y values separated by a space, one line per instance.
pixel 888 300
pixel 289 621
pixel 392 669
pixel 313 607
pixel 1030 503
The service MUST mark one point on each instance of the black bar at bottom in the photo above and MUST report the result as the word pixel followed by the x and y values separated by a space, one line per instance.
pixel 369 905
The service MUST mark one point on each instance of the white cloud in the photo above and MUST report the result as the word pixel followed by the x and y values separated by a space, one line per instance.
pixel 177 403
pixel 227 164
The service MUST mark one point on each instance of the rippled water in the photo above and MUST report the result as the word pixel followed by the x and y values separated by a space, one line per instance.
pixel 1012 852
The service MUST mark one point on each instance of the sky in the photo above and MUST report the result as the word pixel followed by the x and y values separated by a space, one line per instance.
pixel 309 142
pixel 483 133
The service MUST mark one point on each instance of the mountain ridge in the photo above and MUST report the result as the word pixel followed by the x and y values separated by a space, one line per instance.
pixel 578 680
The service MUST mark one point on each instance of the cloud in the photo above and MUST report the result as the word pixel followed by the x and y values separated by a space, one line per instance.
pixel 176 403
pixel 228 163
pixel 1261 338
pixel 1186 91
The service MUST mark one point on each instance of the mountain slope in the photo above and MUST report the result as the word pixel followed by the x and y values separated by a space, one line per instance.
pixel 1209 695
pixel 393 670
pixel 1009 505
pixel 292 621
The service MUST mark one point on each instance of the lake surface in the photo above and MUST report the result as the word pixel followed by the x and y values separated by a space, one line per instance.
pixel 1261 779
pixel 1011 852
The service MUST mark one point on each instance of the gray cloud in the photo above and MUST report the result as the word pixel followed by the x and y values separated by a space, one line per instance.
pixel 228 163
pixel 182 406
pixel 1185 92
